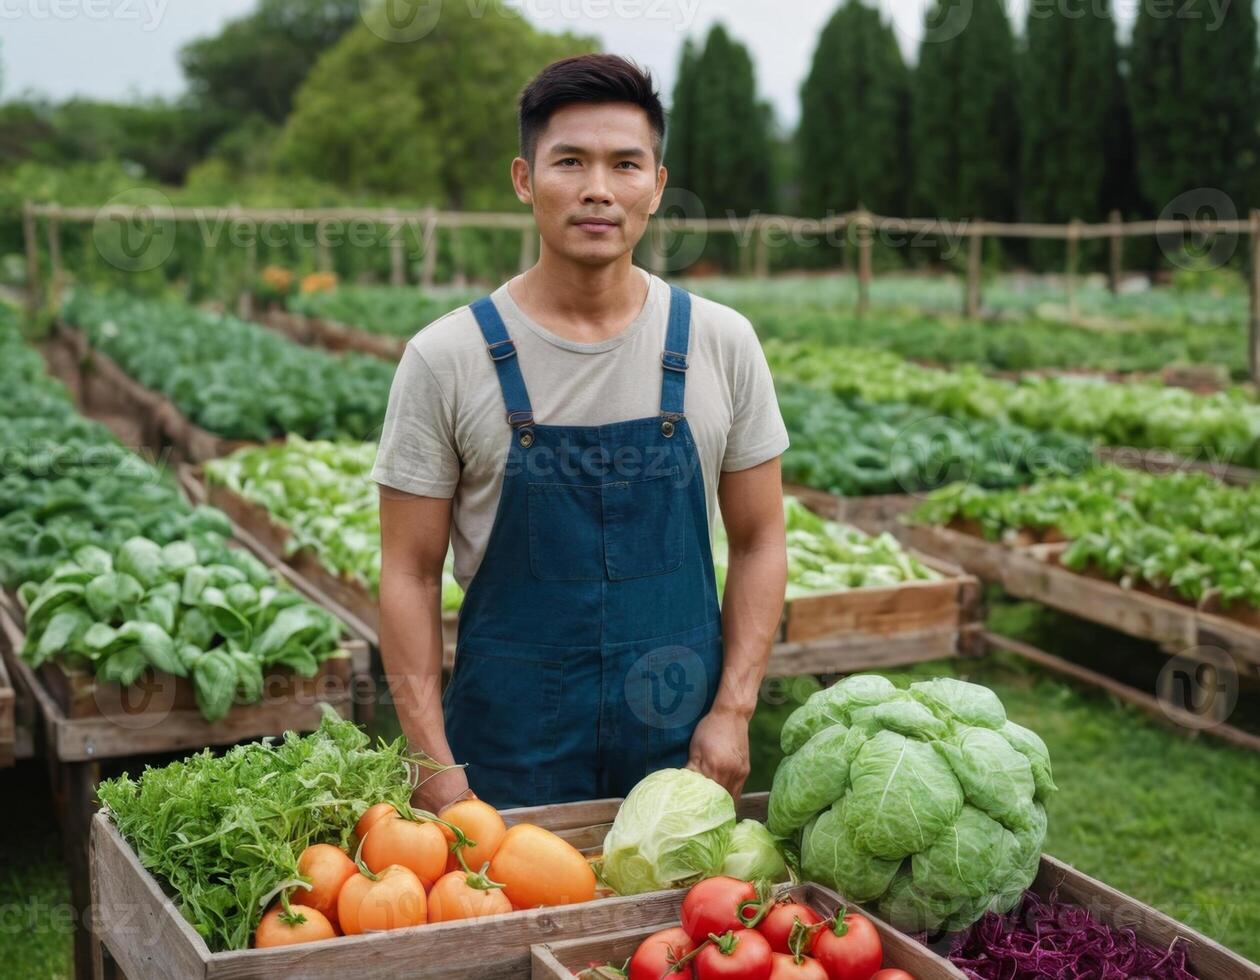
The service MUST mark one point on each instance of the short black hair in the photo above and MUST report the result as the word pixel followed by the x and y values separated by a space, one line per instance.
pixel 587 78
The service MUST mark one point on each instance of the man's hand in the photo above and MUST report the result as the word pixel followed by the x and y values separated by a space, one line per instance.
pixel 719 749
pixel 440 789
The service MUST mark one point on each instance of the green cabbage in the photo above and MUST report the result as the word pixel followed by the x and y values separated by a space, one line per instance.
pixel 675 827
pixel 754 854
pixel 926 802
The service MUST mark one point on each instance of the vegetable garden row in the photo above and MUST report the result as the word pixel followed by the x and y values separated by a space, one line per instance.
pixel 923 803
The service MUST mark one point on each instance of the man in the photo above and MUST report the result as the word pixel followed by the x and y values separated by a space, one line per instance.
pixel 568 435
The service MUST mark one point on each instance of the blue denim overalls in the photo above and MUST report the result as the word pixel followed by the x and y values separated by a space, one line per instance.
pixel 590 641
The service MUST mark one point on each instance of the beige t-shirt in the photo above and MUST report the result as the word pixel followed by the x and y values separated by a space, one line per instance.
pixel 446 431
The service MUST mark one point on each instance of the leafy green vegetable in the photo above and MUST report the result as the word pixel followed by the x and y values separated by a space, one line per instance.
pixel 922 801
pixel 1183 531
pixel 379 309
pixel 754 854
pixel 232 377
pixel 224 832
pixel 824 556
pixel 93 614
pixel 673 828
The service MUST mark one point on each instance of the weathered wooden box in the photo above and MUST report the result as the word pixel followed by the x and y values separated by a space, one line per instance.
pixel 561 959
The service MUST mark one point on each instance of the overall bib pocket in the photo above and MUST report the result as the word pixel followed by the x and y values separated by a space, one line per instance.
pixel 643 526
pixel 565 537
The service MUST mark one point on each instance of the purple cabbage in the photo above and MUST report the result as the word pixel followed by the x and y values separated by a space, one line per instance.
pixel 1060 941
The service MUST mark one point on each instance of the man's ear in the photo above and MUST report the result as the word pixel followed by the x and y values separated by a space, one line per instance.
pixel 522 181
pixel 662 177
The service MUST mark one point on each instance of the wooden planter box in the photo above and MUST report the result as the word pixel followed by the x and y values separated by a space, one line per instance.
pixel 872 514
pixel 83 722
pixel 333 335
pixel 8 719
pixel 561 959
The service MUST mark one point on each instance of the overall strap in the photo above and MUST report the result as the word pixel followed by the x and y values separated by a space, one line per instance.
pixel 674 357
pixel 503 352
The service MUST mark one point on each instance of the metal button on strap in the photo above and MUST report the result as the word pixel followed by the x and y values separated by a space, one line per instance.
pixel 527 438
pixel 667 428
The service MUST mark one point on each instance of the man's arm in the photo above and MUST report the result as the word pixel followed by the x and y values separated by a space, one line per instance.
pixel 415 533
pixel 751 502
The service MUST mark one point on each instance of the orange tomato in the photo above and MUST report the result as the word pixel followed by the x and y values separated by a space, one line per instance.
pixel 394 901
pixel 418 846
pixel 458 895
pixel 274 931
pixel 482 825
pixel 370 816
pixel 538 868
pixel 327 867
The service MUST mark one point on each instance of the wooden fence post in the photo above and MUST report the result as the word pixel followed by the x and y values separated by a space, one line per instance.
pixel 429 265
pixel 761 251
pixel 397 254
pixel 54 262
pixel 975 245
pixel 1253 324
pixel 1073 243
pixel 323 259
pixel 457 256
pixel 245 302
pixel 529 247
pixel 1117 246
pixel 31 243
pixel 864 259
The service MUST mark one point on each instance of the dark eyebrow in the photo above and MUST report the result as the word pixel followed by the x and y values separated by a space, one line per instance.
pixel 632 151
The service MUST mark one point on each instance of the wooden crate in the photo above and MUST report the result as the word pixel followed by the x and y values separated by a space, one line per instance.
pixel 561 959
pixel 1208 959
pixel 144 934
pixel 156 723
pixel 8 719
pixel 872 514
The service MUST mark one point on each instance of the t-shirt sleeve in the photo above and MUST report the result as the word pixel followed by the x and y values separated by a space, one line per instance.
pixel 417 452
pixel 757 430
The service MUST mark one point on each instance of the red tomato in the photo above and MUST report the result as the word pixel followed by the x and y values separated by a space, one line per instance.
pixel 849 949
pixel 712 906
pixel 785 967
pixel 777 925
pixel 741 954
pixel 656 954
pixel 891 974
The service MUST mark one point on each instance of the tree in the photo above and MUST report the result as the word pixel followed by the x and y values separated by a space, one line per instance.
pixel 731 162
pixel 1196 87
pixel 680 128
pixel 256 63
pixel 854 117
pixel 433 117
pixel 963 113
pixel 1073 117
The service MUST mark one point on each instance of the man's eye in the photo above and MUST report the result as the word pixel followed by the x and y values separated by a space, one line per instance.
pixel 569 160
pixel 631 162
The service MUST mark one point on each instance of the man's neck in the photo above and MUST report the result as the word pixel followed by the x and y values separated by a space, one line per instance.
pixel 582 303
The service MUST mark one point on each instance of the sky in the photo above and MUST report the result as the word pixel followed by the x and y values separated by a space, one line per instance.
pixel 119 49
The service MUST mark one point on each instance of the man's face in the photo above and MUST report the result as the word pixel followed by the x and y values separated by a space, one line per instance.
pixel 594 180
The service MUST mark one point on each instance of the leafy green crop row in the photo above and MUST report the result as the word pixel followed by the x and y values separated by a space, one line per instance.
pixel 116 571
pixel 1184 531
pixel 323 493
pixel 1222 427
pixel 855 448
pixel 389 310
pixel 235 378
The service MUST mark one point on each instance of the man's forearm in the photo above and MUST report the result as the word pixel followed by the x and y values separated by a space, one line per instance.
pixel 411 651
pixel 752 606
